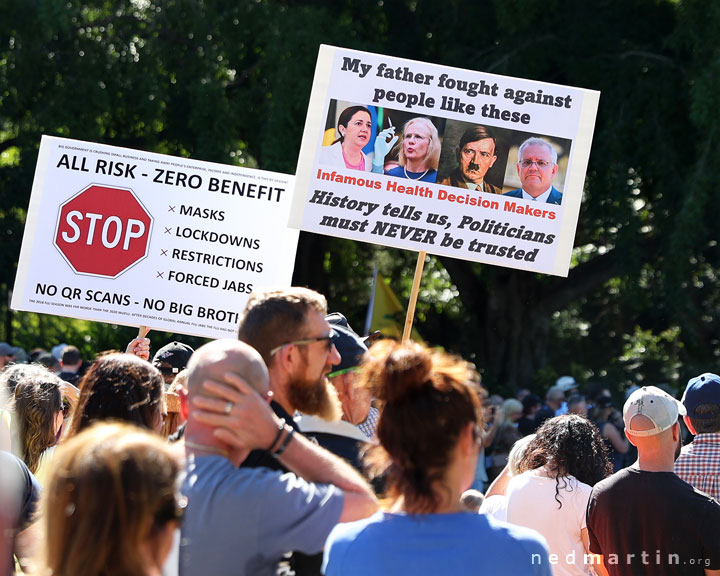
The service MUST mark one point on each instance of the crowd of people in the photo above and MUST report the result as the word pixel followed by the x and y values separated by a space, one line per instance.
pixel 304 448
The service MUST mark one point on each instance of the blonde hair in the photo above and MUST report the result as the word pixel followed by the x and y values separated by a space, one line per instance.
pixel 38 399
pixel 111 489
pixel 432 158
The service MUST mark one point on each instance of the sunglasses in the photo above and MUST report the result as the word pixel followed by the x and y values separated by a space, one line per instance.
pixel 327 339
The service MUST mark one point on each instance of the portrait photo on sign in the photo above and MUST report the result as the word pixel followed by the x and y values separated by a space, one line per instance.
pixel 382 140
pixel 474 156
pixel 536 167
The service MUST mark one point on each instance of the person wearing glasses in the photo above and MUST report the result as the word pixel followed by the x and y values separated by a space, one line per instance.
pixel 343 437
pixel 537 166
pixel 475 156
pixel 289 330
pixel 242 520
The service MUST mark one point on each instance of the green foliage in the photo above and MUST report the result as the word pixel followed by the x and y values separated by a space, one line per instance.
pixel 230 81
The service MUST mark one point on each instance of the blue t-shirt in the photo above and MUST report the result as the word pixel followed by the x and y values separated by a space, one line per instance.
pixel 241 521
pixel 434 544
pixel 399 172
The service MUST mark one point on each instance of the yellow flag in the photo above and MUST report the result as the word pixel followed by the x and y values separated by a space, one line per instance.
pixel 388 315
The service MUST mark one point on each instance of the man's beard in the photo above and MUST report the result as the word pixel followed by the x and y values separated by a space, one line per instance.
pixel 315 397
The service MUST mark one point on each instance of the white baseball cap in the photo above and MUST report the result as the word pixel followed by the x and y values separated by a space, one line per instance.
pixel 566 383
pixel 657 406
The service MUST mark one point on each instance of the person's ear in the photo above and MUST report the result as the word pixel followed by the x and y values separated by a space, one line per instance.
pixel 182 393
pixel 467 441
pixel 689 425
pixel 630 438
pixel 286 357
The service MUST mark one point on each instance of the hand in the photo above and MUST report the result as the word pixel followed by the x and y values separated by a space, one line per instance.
pixel 70 393
pixel 140 347
pixel 250 424
pixel 383 145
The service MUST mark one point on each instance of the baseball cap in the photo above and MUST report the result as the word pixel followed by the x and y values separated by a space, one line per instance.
pixel 350 346
pixel 176 354
pixel 566 383
pixel 58 350
pixel 7 350
pixel 658 406
pixel 703 389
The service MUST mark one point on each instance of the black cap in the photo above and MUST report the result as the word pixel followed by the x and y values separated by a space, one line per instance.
pixel 176 354
pixel 350 346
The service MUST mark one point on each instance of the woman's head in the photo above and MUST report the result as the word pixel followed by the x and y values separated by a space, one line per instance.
pixel 38 414
pixel 517 452
pixel 110 504
pixel 120 387
pixel 512 409
pixel 569 445
pixel 420 143
pixel 355 126
pixel 429 402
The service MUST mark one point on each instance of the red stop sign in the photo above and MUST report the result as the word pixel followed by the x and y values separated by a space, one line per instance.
pixel 103 231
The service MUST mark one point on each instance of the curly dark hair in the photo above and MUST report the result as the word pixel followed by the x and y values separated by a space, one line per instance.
pixel 568 445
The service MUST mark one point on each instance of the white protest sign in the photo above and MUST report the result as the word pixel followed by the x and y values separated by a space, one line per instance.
pixel 142 239
pixel 454 184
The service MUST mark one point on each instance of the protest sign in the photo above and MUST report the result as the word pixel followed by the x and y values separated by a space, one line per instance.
pixel 452 184
pixel 142 239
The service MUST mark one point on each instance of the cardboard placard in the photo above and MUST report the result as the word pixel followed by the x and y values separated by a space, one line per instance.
pixel 141 239
pixel 435 109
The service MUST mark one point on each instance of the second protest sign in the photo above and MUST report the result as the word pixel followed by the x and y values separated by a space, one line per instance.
pixel 443 160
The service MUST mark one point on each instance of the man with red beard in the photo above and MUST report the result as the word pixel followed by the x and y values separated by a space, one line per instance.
pixel 288 328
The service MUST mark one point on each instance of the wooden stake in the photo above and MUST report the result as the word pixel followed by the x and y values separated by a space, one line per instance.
pixel 143 331
pixel 413 297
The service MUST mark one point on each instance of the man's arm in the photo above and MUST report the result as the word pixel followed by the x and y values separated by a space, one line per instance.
pixel 251 424
pixel 597 560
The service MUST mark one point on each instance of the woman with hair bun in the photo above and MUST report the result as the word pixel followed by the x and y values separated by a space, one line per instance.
pixel 428 447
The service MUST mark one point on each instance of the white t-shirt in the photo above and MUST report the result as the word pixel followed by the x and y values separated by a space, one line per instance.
pixel 532 503
pixel 495 506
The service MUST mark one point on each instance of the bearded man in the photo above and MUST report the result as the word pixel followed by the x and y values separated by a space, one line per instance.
pixel 289 330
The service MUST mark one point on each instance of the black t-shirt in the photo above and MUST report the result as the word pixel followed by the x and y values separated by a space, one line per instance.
pixel 653 523
pixel 263 458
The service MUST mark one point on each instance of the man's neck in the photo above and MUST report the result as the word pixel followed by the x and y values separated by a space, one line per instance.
pixel 278 386
pixel 200 441
pixel 655 462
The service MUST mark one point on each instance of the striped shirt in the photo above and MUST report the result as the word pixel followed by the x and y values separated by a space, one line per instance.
pixel 699 464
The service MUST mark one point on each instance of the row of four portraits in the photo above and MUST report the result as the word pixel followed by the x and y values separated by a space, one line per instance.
pixel 448 152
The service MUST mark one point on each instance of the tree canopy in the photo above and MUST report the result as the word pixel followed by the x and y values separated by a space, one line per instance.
pixel 230 81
